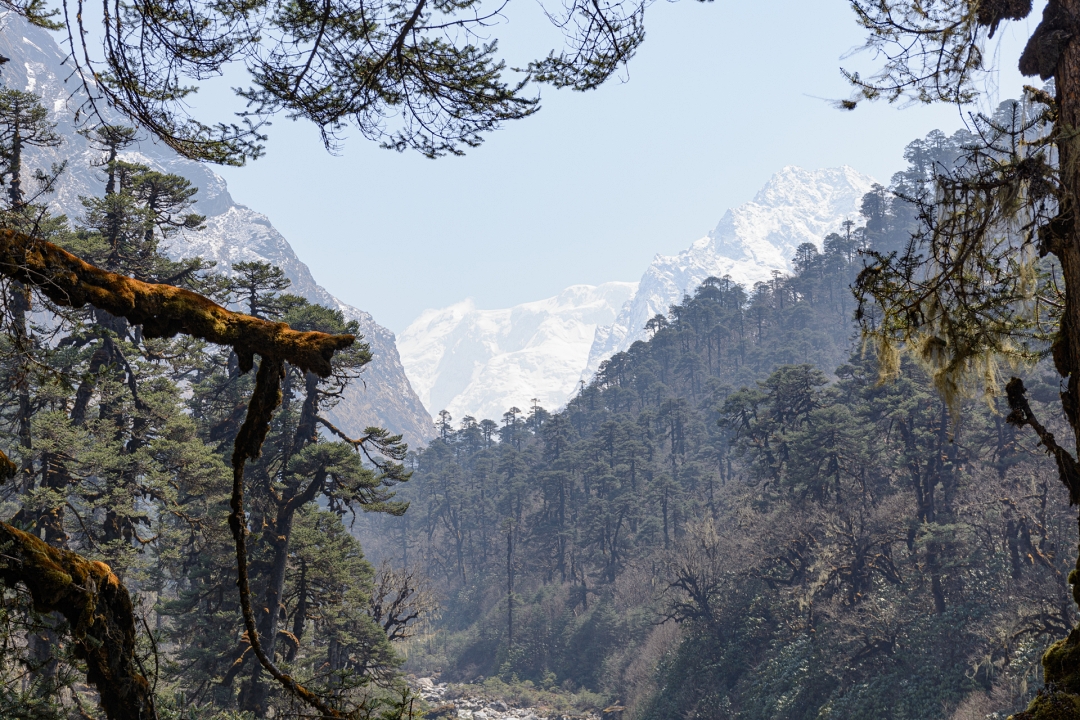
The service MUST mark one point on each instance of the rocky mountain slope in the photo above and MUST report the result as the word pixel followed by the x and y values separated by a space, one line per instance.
pixel 234 233
pixel 482 362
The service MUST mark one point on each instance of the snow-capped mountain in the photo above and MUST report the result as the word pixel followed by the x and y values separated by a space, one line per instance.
pixel 234 233
pixel 483 362
pixel 749 244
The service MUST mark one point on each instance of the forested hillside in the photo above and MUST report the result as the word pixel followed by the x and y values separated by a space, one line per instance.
pixel 121 442
pixel 737 519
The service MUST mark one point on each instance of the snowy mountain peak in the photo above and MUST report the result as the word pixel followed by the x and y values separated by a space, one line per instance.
pixel 793 186
pixel 794 207
pixel 481 362
pixel 749 243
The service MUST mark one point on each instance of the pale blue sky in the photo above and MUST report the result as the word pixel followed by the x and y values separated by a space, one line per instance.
pixel 720 97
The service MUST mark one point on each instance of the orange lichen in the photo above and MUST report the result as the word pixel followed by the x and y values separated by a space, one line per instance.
pixel 161 310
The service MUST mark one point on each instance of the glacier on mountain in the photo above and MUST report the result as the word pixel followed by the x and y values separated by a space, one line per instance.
pixel 477 362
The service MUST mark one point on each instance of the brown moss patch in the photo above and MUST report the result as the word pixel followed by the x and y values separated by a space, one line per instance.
pixel 96 605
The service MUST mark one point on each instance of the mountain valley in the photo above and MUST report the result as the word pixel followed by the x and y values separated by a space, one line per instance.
pixel 483 362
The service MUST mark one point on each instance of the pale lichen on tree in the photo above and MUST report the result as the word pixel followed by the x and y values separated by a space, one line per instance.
pixel 994 272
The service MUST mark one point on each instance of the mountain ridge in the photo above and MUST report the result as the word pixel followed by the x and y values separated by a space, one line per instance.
pixel 749 244
pixel 233 232
pixel 481 362
pixel 456 356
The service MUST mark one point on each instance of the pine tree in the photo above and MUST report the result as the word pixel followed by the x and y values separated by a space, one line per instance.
pixel 24 123
pixel 257 287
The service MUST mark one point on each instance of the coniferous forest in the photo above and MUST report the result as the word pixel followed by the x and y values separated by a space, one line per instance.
pixel 816 497
pixel 738 518
pixel 123 452
pixel 735 518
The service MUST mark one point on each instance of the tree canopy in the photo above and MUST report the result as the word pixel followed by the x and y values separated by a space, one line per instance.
pixel 992 270
pixel 419 75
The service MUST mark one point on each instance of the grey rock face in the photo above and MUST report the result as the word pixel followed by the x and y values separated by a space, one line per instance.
pixel 234 233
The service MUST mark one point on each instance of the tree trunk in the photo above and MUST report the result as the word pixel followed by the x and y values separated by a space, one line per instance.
pixel 256 697
pixel 1061 663
pixel 20 306
pixel 510 589
pixel 300 618
pixel 15 193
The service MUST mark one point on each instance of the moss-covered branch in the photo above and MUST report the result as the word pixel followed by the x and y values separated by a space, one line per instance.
pixel 162 310
pixel 87 593
pixel 96 605
pixel 1021 414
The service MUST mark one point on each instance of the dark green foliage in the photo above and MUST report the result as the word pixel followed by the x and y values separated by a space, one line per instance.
pixel 25 123
pixel 393 70
pixel 257 287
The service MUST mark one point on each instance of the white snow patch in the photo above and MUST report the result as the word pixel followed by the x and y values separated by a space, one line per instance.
pixel 482 362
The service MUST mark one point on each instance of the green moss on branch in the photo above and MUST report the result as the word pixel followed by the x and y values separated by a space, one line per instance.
pixel 97 607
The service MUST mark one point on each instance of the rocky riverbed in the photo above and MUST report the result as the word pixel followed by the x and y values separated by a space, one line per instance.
pixel 470 702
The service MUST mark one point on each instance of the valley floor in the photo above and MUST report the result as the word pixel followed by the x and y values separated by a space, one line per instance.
pixel 496 700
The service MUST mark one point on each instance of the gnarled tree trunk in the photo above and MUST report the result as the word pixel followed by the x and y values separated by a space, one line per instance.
pixel 86 592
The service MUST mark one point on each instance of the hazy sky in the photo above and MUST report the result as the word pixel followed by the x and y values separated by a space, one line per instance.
pixel 721 96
